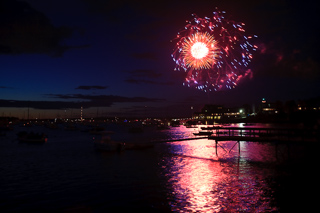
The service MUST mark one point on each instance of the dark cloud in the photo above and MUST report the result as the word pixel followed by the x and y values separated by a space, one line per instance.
pixel 26 30
pixel 103 98
pixel 91 87
pixel 76 101
pixel 5 87
pixel 41 104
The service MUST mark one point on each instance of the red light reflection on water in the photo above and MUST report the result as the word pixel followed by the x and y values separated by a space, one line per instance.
pixel 193 180
pixel 199 181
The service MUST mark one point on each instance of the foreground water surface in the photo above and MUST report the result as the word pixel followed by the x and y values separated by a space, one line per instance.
pixel 68 174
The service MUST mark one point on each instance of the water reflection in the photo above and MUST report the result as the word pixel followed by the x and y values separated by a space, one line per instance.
pixel 197 180
pixel 192 183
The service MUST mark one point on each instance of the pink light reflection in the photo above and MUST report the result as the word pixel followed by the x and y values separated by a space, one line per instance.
pixel 194 181
pixel 199 181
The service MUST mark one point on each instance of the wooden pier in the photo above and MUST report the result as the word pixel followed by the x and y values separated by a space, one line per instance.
pixel 262 135
pixel 251 134
pixel 177 140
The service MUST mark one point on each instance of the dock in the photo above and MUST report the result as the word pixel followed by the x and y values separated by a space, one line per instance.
pixel 254 134
pixel 177 140
pixel 262 135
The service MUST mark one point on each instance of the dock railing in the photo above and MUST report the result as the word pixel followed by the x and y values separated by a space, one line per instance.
pixel 263 134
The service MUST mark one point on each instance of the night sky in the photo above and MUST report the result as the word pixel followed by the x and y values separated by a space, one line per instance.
pixel 113 58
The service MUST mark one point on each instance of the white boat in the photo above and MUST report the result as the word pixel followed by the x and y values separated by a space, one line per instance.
pixel 107 144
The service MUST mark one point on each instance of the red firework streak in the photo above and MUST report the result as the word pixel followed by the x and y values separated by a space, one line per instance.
pixel 214 52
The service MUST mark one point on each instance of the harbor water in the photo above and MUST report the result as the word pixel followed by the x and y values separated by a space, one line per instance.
pixel 67 173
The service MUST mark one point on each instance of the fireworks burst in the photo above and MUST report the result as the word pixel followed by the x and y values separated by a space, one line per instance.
pixel 199 51
pixel 214 52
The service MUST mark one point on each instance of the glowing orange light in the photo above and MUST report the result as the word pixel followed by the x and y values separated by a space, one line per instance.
pixel 199 51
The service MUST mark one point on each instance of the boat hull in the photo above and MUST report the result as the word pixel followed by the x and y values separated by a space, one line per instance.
pixel 109 145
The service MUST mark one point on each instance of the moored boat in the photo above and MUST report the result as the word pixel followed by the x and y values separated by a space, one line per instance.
pixel 138 146
pixel 210 127
pixel 106 144
pixel 31 137
pixel 97 131
pixel 203 133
